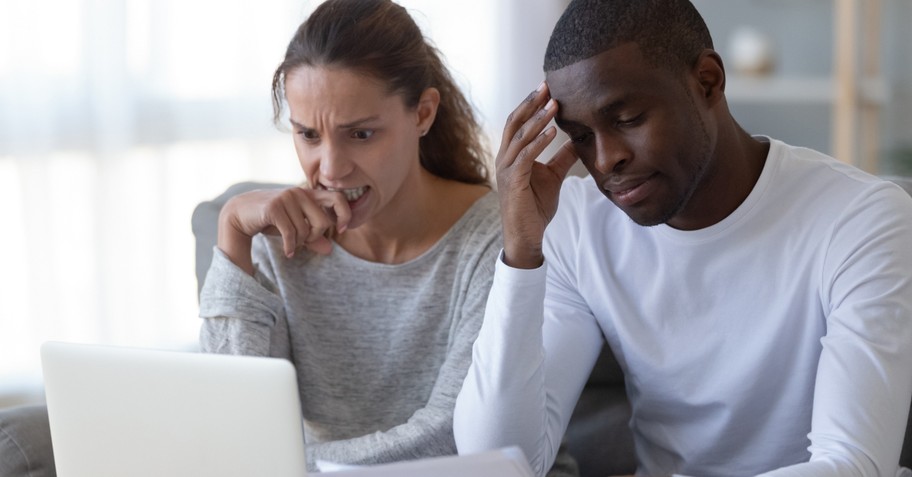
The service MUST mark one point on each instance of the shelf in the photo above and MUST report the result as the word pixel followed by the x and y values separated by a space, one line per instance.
pixel 797 90
pixel 854 91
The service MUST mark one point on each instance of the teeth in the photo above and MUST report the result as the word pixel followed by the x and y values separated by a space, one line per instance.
pixel 351 194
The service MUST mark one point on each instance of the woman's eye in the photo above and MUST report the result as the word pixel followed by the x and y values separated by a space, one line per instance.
pixel 362 134
pixel 308 134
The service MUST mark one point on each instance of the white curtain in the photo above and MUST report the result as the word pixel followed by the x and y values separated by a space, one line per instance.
pixel 118 116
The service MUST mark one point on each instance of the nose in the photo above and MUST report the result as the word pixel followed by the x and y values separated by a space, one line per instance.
pixel 334 164
pixel 612 153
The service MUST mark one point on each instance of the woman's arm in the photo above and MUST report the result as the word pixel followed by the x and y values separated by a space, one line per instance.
pixel 242 314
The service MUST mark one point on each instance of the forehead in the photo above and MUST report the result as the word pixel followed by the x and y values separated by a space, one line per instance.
pixel 617 74
pixel 343 92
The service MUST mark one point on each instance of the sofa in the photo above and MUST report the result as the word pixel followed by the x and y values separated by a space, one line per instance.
pixel 598 435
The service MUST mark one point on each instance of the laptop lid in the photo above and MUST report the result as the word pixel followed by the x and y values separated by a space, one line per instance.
pixel 118 411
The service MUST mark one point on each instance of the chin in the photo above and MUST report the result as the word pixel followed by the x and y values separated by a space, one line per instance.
pixel 355 222
pixel 648 221
pixel 649 217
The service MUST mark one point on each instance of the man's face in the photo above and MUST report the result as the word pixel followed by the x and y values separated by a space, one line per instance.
pixel 641 131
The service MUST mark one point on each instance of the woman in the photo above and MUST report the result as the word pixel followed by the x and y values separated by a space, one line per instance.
pixel 371 278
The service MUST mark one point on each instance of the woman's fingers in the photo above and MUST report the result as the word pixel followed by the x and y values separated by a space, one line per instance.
pixel 334 204
pixel 312 213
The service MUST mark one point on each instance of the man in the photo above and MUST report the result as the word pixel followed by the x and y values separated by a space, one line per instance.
pixel 758 296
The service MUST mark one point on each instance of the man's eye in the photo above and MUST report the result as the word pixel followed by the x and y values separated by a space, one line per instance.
pixel 629 122
pixel 362 134
pixel 580 138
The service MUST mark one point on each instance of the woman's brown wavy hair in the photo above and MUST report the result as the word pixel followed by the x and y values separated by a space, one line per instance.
pixel 380 39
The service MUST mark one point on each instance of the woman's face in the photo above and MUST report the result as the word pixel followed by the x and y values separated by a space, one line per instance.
pixel 352 136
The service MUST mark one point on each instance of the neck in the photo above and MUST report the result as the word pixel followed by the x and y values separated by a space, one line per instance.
pixel 737 163
pixel 413 224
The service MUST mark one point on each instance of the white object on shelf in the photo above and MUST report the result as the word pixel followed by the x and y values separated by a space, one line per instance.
pixel 752 51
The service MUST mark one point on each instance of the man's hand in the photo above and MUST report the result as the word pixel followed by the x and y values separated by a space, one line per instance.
pixel 301 216
pixel 529 190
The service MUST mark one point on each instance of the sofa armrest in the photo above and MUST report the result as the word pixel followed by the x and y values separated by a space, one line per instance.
pixel 205 224
pixel 25 443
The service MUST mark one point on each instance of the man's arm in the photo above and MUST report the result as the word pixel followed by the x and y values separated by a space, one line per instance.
pixel 528 189
pixel 864 383
pixel 525 377
pixel 529 366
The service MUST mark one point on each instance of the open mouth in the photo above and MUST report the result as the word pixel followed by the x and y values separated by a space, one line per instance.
pixel 352 194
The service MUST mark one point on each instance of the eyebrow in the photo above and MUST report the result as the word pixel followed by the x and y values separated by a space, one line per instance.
pixel 348 125
pixel 604 111
pixel 615 105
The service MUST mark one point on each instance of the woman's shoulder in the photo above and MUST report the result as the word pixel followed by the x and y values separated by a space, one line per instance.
pixel 481 218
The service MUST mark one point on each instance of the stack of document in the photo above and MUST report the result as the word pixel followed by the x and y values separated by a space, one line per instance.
pixel 506 462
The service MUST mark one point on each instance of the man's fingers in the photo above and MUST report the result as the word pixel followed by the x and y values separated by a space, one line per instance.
pixel 524 124
pixel 561 162
pixel 531 151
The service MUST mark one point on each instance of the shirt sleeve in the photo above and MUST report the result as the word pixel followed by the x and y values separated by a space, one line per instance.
pixel 534 353
pixel 864 387
pixel 429 431
pixel 242 314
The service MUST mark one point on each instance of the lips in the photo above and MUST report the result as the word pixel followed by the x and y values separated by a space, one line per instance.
pixel 628 191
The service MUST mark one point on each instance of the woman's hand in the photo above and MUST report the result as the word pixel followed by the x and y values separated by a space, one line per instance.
pixel 301 216
pixel 529 190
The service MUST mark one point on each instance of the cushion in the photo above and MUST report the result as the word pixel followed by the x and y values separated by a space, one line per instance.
pixel 25 442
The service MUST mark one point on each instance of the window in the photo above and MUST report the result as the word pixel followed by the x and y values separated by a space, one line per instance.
pixel 119 116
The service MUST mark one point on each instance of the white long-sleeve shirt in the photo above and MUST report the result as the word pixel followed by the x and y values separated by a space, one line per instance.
pixel 778 340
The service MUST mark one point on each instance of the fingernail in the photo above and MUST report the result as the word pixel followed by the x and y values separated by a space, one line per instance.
pixel 549 104
pixel 533 94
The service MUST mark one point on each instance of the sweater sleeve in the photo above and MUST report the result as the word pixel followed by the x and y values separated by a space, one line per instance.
pixel 533 355
pixel 429 430
pixel 863 386
pixel 242 314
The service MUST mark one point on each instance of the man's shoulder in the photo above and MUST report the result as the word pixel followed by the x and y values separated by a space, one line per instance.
pixel 806 176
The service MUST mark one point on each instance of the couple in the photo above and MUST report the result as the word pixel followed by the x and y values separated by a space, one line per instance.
pixel 758 296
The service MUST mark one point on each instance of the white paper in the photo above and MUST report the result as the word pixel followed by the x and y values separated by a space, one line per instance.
pixel 506 462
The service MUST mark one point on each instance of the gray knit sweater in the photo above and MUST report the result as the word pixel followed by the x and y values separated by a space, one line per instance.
pixel 380 350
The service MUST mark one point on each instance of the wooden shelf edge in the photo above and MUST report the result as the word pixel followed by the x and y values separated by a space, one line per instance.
pixel 797 90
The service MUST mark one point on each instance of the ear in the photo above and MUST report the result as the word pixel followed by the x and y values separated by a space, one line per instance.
pixel 427 109
pixel 710 73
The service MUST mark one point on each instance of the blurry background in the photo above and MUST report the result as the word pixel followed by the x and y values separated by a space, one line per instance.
pixel 118 116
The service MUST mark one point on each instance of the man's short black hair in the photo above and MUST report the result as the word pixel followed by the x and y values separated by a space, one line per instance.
pixel 670 33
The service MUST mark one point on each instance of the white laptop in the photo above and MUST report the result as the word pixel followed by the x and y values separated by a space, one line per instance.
pixel 133 412
pixel 118 411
